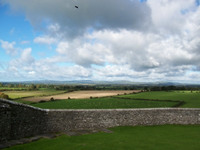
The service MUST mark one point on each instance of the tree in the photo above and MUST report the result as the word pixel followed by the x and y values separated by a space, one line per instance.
pixel 38 86
pixel 4 96
pixel 51 99
pixel 155 88
pixel 32 87
pixel 146 88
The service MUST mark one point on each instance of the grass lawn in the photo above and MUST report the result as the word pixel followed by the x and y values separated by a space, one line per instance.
pixel 23 94
pixel 192 100
pixel 167 137
pixel 102 103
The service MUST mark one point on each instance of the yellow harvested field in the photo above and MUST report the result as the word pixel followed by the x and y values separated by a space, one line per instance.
pixel 82 95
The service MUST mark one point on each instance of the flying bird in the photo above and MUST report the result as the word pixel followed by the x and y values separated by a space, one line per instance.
pixel 76 7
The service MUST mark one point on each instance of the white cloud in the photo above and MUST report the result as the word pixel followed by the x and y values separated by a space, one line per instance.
pixel 9 47
pixel 53 35
pixel 45 40
pixel 26 56
pixel 141 51
pixel 169 15
pixel 99 14
pixel 84 54
pixel 116 39
pixel 22 64
pixel 31 73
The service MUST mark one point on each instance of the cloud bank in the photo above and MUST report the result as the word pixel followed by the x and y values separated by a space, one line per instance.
pixel 155 40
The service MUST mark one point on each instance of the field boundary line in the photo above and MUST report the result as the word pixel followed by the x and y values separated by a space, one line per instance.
pixel 180 102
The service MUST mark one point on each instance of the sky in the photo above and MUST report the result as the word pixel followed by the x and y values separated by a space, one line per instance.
pixel 102 40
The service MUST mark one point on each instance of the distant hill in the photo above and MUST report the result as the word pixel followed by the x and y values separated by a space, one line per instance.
pixel 91 82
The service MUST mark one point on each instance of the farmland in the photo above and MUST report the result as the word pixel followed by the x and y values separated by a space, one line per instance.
pixel 183 99
pixel 109 99
pixel 35 93
pixel 102 103
pixel 81 95
pixel 190 99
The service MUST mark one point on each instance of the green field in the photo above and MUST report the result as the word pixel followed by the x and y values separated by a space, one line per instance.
pixel 186 99
pixel 183 99
pixel 102 103
pixel 192 100
pixel 167 137
pixel 23 94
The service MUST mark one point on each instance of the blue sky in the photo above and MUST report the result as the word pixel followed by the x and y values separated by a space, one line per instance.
pixel 144 41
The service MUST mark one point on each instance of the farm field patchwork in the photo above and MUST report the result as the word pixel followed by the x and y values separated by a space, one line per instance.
pixel 23 94
pixel 100 99
pixel 102 103
pixel 184 99
pixel 165 137
pixel 82 95
pixel 191 99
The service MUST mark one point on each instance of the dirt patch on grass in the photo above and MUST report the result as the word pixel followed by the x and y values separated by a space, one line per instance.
pixel 82 95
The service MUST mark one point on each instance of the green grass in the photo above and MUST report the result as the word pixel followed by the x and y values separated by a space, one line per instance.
pixel 12 88
pixel 192 100
pixel 102 103
pixel 167 137
pixel 23 94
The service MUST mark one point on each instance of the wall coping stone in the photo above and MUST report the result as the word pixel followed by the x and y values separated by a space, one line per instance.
pixel 147 109
pixel 20 104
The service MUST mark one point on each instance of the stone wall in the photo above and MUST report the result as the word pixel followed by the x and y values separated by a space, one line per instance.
pixel 62 120
pixel 5 115
pixel 19 120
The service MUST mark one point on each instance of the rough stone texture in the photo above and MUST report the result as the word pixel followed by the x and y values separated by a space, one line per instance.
pixel 63 120
pixel 5 115
pixel 19 120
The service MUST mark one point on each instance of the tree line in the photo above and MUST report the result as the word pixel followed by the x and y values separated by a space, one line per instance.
pixel 22 87
pixel 171 88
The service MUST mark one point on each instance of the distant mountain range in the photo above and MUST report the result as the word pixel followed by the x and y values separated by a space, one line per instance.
pixel 90 82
